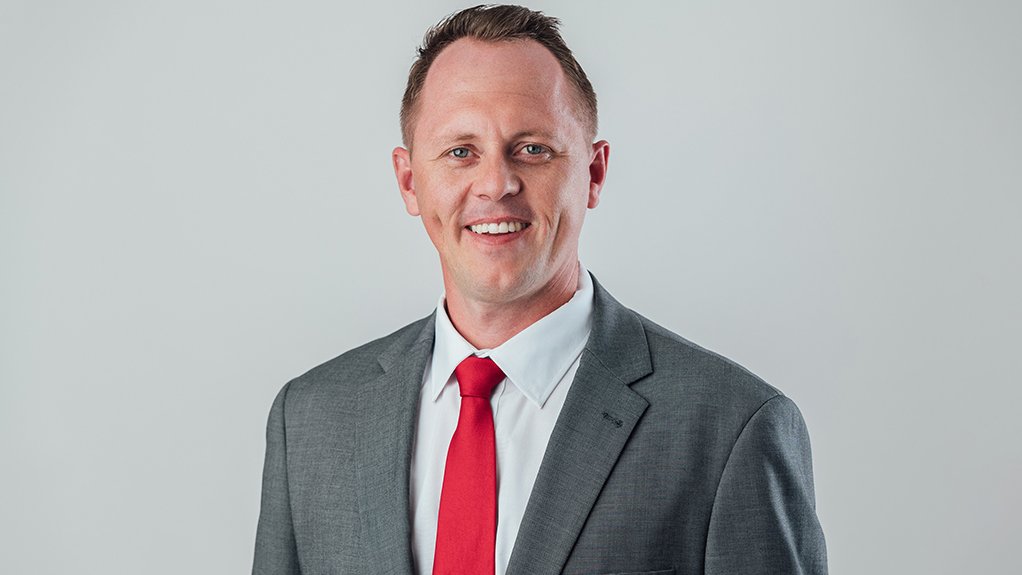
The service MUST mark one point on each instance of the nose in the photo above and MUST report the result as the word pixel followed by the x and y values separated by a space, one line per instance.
pixel 496 179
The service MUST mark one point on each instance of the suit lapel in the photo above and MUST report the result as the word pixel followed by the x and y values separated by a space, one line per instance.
pixel 595 423
pixel 385 436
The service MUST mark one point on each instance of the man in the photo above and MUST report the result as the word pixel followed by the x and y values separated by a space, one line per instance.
pixel 531 424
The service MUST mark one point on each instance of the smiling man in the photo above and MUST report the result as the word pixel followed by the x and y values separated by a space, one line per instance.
pixel 531 424
pixel 502 173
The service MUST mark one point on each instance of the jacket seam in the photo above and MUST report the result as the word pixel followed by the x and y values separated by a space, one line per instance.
pixel 287 472
pixel 723 470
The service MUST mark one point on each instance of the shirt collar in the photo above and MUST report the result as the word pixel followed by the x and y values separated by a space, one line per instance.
pixel 535 359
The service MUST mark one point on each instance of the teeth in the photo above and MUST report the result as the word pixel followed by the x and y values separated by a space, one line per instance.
pixel 498 228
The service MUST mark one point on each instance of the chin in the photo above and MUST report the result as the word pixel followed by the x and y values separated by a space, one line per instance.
pixel 496 292
pixel 501 288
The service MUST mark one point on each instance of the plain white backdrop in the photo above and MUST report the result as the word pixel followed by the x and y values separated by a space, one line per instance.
pixel 197 204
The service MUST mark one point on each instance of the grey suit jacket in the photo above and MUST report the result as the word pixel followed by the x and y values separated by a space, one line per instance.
pixel 666 458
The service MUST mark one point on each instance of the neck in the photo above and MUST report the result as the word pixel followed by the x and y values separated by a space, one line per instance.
pixel 487 324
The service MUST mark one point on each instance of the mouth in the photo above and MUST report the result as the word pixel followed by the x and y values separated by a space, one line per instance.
pixel 497 228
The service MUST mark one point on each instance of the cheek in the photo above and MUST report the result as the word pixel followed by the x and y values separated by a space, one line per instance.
pixel 435 202
pixel 567 210
pixel 439 217
pixel 571 200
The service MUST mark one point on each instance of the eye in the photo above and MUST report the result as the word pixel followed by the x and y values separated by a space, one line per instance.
pixel 534 149
pixel 460 153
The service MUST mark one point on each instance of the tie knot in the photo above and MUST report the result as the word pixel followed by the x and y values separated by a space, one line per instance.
pixel 477 376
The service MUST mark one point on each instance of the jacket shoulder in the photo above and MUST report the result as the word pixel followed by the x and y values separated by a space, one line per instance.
pixel 358 364
pixel 703 375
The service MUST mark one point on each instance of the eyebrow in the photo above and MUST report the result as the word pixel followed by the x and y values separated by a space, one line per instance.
pixel 532 134
pixel 454 137
pixel 467 136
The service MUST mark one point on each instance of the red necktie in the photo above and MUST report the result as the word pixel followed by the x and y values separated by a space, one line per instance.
pixel 467 525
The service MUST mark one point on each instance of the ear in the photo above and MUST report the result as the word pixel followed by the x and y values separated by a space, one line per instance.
pixel 402 159
pixel 598 171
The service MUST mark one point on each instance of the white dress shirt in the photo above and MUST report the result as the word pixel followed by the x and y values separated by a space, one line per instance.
pixel 540 363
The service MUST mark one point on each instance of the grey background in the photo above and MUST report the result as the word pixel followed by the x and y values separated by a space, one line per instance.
pixel 196 204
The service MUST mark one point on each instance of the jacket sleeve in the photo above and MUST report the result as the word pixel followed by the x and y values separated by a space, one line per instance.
pixel 276 552
pixel 764 513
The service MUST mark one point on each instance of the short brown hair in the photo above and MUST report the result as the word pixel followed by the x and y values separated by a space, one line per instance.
pixel 496 23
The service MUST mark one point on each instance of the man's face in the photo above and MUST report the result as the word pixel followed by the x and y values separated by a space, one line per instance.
pixel 501 170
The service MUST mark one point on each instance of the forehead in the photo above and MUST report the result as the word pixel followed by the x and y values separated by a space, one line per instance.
pixel 507 64
pixel 514 82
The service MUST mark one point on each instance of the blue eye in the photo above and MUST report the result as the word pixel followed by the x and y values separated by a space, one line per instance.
pixel 534 149
pixel 460 153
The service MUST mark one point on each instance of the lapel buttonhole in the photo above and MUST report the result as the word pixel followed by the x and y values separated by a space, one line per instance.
pixel 610 418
